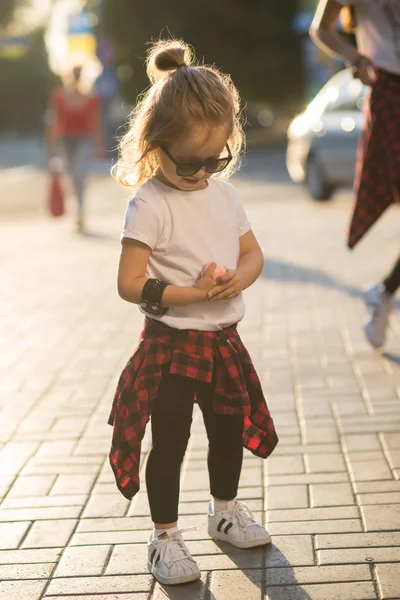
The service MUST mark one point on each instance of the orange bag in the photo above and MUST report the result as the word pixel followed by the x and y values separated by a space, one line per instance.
pixel 56 196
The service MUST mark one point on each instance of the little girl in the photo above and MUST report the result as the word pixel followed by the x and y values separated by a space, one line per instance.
pixel 188 252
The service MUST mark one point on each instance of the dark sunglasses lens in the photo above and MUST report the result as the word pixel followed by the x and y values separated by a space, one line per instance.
pixel 187 170
pixel 217 165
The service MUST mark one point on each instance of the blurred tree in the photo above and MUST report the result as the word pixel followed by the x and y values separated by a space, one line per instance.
pixel 7 9
pixel 25 84
pixel 251 40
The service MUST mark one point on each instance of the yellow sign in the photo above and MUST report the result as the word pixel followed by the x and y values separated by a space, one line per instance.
pixel 84 43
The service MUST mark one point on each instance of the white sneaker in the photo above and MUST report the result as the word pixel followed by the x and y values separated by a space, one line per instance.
pixel 169 560
pixel 237 526
pixel 379 305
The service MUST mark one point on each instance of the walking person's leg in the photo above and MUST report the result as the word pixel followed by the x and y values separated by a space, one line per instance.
pixel 80 166
pixel 380 301
pixel 169 560
pixel 228 519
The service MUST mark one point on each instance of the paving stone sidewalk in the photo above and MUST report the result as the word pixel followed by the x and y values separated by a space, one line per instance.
pixel 330 494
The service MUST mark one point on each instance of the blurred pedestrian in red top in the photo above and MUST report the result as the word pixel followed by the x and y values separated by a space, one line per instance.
pixel 74 129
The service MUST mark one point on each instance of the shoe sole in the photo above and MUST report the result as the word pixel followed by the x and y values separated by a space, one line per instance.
pixel 173 580
pixel 223 537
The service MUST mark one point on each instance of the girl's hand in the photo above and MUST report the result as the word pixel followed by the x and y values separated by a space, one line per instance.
pixel 366 71
pixel 206 282
pixel 229 286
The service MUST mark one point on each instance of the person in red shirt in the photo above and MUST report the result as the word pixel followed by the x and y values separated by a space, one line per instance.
pixel 74 128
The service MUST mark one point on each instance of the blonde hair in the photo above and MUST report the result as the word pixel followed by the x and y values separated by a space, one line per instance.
pixel 182 94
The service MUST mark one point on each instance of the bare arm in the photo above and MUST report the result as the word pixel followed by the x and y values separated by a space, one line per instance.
pixel 324 34
pixel 132 277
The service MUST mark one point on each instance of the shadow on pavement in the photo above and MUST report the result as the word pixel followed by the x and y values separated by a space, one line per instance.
pixel 395 358
pixel 269 556
pixel 276 270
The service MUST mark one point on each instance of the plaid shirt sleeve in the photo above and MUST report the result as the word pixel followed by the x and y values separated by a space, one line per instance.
pixel 196 354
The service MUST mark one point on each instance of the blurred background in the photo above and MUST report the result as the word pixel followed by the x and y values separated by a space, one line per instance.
pixel 263 45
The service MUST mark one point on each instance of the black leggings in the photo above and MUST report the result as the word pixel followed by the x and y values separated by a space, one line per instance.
pixel 392 281
pixel 170 425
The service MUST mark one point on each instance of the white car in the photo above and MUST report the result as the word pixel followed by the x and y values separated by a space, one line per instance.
pixel 322 141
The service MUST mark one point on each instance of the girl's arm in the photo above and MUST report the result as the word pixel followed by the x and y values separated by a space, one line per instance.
pixel 324 34
pixel 132 277
pixel 250 266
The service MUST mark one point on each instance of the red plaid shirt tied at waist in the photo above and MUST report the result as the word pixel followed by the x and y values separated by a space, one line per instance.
pixel 203 355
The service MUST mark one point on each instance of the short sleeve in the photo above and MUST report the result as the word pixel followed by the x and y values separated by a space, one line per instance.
pixel 142 222
pixel 244 224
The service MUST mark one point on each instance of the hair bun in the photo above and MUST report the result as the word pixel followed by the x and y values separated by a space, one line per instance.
pixel 165 56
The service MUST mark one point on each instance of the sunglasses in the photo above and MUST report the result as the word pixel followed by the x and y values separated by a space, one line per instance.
pixel 187 168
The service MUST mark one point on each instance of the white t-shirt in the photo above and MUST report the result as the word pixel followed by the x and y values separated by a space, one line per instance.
pixel 378 31
pixel 186 230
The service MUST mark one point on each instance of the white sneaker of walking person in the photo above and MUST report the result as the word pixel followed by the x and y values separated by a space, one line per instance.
pixel 379 305
pixel 169 560
pixel 236 525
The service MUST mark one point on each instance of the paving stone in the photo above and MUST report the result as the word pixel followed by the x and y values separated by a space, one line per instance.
pixel 290 551
pixel 32 485
pixel 64 448
pixel 103 585
pixel 300 575
pixel 370 470
pixel 251 559
pixel 313 527
pixel 392 440
pixel 310 514
pixel 377 486
pixel 106 505
pixel 73 484
pixel 360 442
pixel 284 465
pixel 43 555
pixel 36 514
pixel 128 559
pixel 83 561
pixel 382 517
pixel 20 571
pixel 331 494
pixel 195 591
pixel 358 555
pixel 22 590
pixel 109 537
pixel 122 596
pixel 14 455
pixel 388 581
pixel 44 501
pixel 306 449
pixel 358 540
pixel 307 478
pixel 11 534
pixel 236 585
pixel 316 434
pixel 383 498
pixel 49 534
pixel 322 464
pixel 327 591
pixel 295 496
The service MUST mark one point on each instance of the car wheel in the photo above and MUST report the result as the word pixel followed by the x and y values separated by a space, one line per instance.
pixel 319 187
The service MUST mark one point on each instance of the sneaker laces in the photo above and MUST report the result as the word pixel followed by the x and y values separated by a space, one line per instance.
pixel 173 549
pixel 242 514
